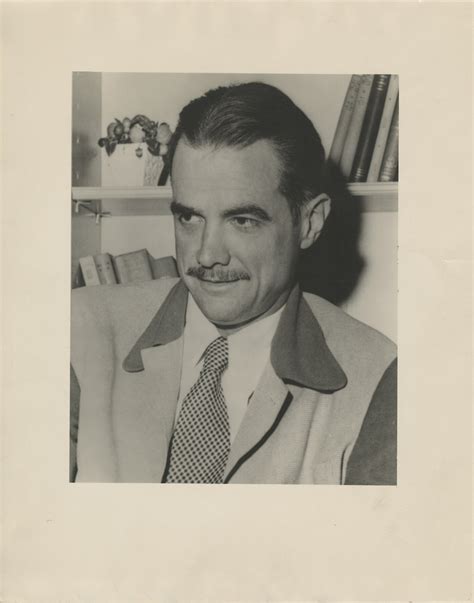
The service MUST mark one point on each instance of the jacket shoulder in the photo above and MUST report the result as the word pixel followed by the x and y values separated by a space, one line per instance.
pixel 104 302
pixel 111 311
pixel 373 460
pixel 347 336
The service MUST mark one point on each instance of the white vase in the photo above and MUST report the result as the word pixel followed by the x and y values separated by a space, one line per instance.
pixel 124 167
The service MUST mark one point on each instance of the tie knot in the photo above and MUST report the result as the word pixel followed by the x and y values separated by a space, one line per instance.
pixel 216 356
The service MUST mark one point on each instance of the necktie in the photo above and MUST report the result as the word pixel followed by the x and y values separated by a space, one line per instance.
pixel 201 440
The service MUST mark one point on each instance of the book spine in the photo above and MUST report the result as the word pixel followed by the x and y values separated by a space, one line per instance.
pixel 370 128
pixel 384 128
pixel 118 269
pixel 89 271
pixel 105 269
pixel 353 133
pixel 165 172
pixel 344 119
pixel 389 168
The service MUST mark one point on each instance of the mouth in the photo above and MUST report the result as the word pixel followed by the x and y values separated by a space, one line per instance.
pixel 216 281
pixel 216 286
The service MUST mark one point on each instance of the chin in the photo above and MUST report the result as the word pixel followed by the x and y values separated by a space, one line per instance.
pixel 219 312
pixel 219 303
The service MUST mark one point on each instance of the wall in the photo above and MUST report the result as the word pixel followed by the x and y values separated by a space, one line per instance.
pixel 127 233
pixel 374 300
pixel 86 166
pixel 160 97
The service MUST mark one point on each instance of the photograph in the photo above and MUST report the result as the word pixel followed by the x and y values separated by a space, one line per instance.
pixel 231 288
pixel 234 249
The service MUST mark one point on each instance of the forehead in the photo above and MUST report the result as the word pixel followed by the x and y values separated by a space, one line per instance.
pixel 225 173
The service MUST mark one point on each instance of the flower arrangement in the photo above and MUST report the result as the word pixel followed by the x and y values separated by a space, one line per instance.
pixel 139 129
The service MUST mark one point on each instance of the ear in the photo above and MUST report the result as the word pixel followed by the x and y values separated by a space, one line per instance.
pixel 313 216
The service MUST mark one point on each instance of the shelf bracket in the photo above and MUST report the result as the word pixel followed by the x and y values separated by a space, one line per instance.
pixel 90 211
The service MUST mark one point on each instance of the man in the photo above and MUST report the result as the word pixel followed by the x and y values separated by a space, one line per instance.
pixel 230 374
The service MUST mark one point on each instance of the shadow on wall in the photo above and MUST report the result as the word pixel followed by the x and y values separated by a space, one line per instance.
pixel 332 266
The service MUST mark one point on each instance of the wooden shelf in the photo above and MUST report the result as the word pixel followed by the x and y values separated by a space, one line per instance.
pixel 155 200
pixel 376 196
pixel 125 201
pixel 92 193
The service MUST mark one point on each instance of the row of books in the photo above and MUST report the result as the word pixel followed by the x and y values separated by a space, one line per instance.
pixel 135 266
pixel 365 145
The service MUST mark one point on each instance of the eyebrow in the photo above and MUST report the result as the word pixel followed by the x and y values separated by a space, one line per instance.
pixel 249 208
pixel 179 208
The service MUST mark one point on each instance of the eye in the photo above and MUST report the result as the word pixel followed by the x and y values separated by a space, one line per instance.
pixel 189 218
pixel 245 223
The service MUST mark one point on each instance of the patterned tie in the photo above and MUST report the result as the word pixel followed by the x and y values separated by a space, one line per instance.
pixel 201 440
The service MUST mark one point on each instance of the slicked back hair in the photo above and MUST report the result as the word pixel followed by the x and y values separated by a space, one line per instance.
pixel 239 115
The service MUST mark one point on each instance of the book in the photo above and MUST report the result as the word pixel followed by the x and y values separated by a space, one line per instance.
pixel 355 127
pixel 89 271
pixel 384 128
pixel 164 267
pixel 389 167
pixel 370 126
pixel 344 119
pixel 105 269
pixel 133 267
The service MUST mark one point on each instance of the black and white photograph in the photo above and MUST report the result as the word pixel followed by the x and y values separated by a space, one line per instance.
pixel 234 278
pixel 237 275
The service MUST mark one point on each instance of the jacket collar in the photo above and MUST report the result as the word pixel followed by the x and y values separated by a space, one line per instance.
pixel 299 352
pixel 166 326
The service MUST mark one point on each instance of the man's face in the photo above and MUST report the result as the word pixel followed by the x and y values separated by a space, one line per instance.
pixel 236 241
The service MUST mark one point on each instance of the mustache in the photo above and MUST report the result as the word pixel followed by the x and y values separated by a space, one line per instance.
pixel 217 274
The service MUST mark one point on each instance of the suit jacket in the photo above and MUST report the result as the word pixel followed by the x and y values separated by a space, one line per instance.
pixel 324 411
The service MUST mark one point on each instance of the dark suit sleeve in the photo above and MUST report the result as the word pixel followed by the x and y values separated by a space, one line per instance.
pixel 75 394
pixel 374 457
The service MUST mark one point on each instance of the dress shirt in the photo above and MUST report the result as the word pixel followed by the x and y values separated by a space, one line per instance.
pixel 249 351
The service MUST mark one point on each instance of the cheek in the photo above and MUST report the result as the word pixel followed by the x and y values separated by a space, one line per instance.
pixel 266 255
pixel 185 245
pixel 251 252
pixel 279 262
pixel 281 246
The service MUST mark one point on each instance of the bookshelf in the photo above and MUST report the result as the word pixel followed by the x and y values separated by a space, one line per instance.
pixel 152 200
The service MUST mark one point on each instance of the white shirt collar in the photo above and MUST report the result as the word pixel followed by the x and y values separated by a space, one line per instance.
pixel 200 332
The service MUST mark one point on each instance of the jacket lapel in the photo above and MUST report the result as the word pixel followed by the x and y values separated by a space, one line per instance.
pixel 299 352
pixel 166 326
pixel 147 396
pixel 265 410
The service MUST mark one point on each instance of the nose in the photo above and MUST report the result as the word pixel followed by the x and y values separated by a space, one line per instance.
pixel 213 249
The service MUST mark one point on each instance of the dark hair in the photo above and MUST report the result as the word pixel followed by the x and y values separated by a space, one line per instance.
pixel 241 114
